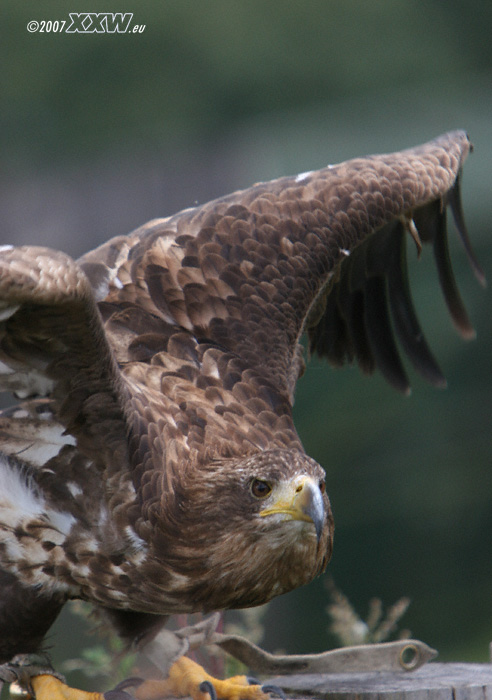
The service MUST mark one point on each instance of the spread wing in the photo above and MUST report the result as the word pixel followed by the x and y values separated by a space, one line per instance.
pixel 166 352
pixel 183 337
pixel 321 253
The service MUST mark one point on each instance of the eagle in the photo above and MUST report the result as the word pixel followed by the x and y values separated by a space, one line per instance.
pixel 150 464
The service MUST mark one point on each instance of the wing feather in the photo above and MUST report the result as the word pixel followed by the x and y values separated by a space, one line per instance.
pixel 180 342
pixel 403 314
pixel 53 343
pixel 167 352
pixel 446 277
pixel 322 254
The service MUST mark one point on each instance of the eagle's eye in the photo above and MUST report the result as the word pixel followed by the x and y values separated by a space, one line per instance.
pixel 260 489
pixel 322 486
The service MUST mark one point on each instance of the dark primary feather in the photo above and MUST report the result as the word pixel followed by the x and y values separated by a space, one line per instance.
pixel 169 359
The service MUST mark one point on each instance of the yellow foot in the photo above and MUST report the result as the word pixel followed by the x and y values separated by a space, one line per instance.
pixel 188 679
pixel 48 687
pixel 31 675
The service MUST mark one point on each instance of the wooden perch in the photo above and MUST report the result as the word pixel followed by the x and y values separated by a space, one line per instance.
pixel 435 681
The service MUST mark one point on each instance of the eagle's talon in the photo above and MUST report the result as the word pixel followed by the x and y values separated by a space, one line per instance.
pixel 132 682
pixel 252 680
pixel 119 691
pixel 117 695
pixel 208 687
pixel 273 690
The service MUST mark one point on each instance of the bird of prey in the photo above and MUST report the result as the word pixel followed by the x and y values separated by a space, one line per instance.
pixel 151 465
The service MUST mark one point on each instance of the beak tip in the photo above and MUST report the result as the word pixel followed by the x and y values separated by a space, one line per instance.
pixel 313 507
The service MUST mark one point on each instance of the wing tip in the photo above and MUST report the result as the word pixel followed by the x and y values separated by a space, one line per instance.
pixel 405 323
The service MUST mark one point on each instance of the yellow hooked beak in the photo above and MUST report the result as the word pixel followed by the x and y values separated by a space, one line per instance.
pixel 299 499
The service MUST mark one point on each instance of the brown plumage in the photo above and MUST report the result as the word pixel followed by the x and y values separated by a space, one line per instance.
pixel 154 467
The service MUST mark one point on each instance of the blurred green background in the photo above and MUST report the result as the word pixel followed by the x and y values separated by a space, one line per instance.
pixel 101 132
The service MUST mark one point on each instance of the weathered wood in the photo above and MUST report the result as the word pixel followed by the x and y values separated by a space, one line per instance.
pixel 435 681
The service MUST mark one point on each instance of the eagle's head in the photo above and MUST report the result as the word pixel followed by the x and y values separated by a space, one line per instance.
pixel 247 530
